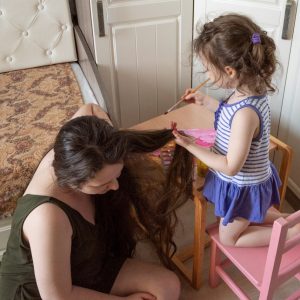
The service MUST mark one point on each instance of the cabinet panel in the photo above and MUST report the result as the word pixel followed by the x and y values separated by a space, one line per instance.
pixel 146 65
pixel 124 40
pixel 147 70
pixel 142 55
pixel 167 65
pixel 129 11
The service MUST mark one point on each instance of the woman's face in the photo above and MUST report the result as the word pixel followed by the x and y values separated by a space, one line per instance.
pixel 105 180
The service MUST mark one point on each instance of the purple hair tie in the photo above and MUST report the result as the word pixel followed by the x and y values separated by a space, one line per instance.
pixel 256 38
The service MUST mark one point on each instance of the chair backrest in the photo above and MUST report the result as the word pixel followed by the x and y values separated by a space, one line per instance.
pixel 283 259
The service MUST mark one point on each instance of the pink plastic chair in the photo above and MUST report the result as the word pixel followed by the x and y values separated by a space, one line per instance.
pixel 265 267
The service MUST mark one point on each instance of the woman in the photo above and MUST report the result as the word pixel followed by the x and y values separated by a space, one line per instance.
pixel 73 234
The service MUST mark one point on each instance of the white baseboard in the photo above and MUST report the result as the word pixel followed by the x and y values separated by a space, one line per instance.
pixel 4 234
pixel 294 187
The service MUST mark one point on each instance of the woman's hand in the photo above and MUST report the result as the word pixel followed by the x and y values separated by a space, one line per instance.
pixel 140 296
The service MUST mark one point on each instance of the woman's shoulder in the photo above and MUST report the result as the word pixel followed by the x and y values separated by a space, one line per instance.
pixel 31 202
pixel 43 179
pixel 40 211
pixel 47 210
pixel 46 222
pixel 44 208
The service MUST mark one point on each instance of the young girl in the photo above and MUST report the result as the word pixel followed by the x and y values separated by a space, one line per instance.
pixel 73 235
pixel 242 183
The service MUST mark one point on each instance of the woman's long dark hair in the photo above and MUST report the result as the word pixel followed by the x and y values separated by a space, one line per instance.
pixel 86 144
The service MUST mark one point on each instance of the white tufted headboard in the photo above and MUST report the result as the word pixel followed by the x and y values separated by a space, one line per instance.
pixel 35 33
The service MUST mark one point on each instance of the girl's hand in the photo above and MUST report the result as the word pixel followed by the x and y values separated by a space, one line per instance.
pixel 182 140
pixel 140 296
pixel 196 97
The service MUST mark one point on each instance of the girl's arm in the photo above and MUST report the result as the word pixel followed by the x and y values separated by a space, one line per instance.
pixel 200 98
pixel 244 127
pixel 49 233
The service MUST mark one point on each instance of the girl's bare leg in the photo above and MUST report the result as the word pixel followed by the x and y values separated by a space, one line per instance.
pixel 240 234
pixel 230 234
pixel 136 276
pixel 273 214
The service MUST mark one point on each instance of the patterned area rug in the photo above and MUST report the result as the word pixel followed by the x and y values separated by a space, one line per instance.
pixel 34 104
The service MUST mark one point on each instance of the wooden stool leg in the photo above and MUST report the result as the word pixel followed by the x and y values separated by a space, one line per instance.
pixel 199 239
pixel 196 250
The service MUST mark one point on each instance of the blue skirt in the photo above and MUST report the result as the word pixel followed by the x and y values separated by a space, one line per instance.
pixel 248 202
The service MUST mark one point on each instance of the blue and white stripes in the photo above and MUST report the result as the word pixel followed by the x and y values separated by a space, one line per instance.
pixel 257 166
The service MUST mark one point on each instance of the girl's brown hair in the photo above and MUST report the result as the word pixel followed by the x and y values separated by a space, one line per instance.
pixel 86 144
pixel 227 41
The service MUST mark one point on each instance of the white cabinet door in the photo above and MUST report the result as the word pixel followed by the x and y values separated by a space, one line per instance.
pixel 142 52
pixel 270 15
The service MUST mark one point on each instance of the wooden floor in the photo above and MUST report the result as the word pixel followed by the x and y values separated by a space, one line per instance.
pixel 183 237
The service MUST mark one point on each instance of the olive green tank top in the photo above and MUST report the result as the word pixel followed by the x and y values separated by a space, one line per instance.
pixel 93 265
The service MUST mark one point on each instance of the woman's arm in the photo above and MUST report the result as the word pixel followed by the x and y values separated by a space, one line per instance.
pixel 244 127
pixel 49 233
pixel 92 110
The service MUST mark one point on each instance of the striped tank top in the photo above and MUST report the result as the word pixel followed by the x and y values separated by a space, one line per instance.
pixel 257 167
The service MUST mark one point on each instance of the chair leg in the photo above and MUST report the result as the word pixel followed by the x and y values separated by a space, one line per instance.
pixel 215 260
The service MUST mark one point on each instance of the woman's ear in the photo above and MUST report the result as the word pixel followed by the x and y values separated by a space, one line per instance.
pixel 231 72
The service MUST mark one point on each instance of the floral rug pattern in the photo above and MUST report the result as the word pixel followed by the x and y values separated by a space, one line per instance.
pixel 34 104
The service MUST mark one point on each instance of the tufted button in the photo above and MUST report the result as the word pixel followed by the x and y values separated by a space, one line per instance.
pixel 25 33
pixel 41 6
pixel 49 52
pixel 1 13
pixel 9 59
pixel 64 27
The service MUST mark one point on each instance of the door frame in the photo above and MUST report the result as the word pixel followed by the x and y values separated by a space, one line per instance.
pixel 291 92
